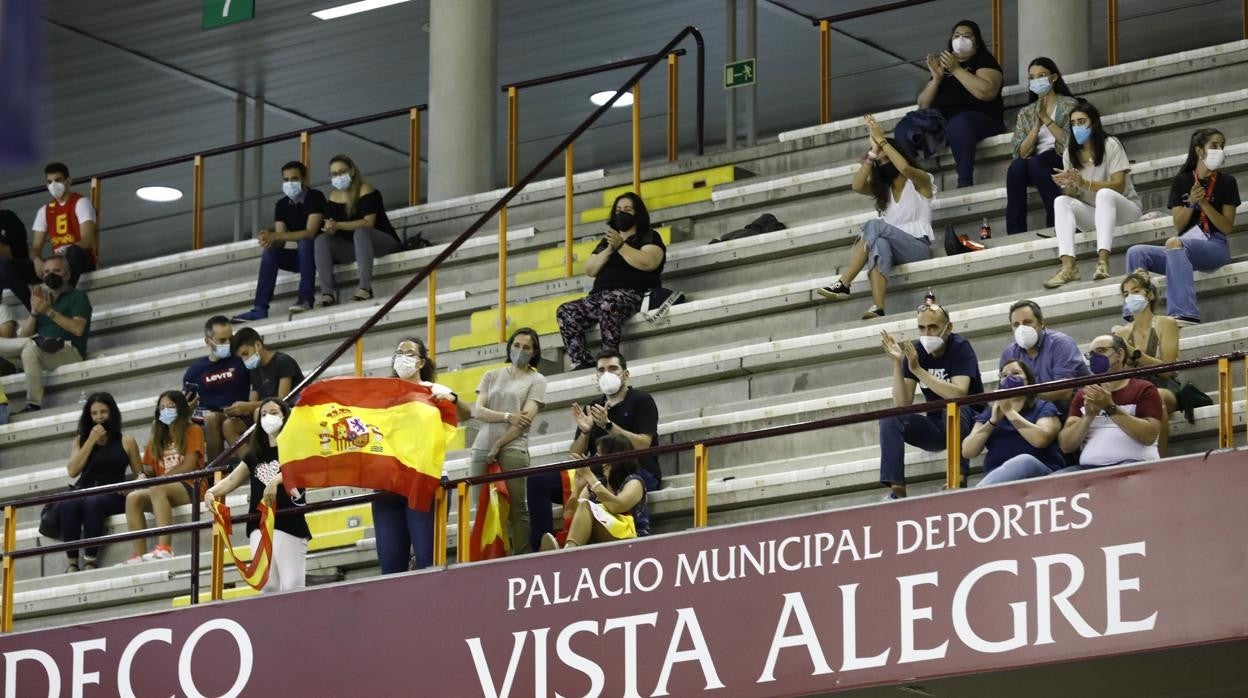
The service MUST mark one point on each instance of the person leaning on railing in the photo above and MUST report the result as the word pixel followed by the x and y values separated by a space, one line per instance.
pixel 356 229
pixel 1151 340
pixel 100 456
pixel 1018 434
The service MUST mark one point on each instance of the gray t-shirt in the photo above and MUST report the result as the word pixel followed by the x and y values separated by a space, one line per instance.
pixel 503 391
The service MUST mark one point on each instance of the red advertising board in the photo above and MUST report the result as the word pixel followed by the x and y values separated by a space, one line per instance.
pixel 1114 561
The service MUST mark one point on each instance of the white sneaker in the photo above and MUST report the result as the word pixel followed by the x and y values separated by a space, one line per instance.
pixel 160 552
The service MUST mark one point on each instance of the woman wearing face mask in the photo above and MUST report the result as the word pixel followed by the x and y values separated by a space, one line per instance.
pixel 405 535
pixel 626 264
pixel 508 400
pixel 612 510
pixel 1041 131
pixel 903 232
pixel 356 229
pixel 177 446
pixel 1097 193
pixel 1203 200
pixel 1019 434
pixel 100 456
pixel 1151 340
pixel 262 469
pixel 965 88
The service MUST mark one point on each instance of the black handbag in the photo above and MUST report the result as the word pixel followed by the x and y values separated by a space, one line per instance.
pixel 1188 398
pixel 50 520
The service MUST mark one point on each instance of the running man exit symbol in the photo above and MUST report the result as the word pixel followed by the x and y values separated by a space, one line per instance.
pixel 739 73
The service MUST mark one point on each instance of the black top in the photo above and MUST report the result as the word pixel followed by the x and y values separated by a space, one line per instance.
pixel 264 378
pixel 295 213
pixel 952 97
pixel 13 234
pixel 617 273
pixel 369 203
pixel 263 467
pixel 958 359
pixel 1225 191
pixel 106 464
pixel 636 413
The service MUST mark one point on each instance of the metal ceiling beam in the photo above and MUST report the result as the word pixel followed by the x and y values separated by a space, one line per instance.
pixel 783 10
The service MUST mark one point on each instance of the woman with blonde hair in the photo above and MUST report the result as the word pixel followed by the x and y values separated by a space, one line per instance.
pixel 356 229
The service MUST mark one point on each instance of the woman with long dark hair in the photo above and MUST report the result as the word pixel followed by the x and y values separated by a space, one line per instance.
pixel 1041 131
pixel 100 456
pixel 1097 193
pixel 1203 200
pixel 612 510
pixel 903 232
pixel 1019 434
pixel 356 229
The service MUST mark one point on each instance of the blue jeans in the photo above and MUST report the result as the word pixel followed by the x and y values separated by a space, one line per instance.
pixel 963 131
pixel 4 413
pixel 302 260
pixel 922 430
pixel 1020 467
pixel 1199 251
pixel 402 533
pixel 888 246
pixel 1036 171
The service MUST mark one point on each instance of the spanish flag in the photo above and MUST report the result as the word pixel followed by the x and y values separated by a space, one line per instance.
pixel 378 433
pixel 489 530
pixel 255 572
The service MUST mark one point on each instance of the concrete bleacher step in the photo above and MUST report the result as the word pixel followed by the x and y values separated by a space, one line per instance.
pixel 550 262
pixel 669 191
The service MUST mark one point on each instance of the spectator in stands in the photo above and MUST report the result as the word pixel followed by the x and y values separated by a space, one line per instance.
pixel 56 332
pixel 1116 421
pixel 356 229
pixel 612 510
pixel 508 400
pixel 405 535
pixel 903 232
pixel 273 373
pixel 965 90
pixel 1097 193
pixel 626 264
pixel 1203 200
pixel 262 470
pixel 176 446
pixel 1049 355
pixel 71 219
pixel 1019 434
pixel 213 383
pixel 1151 340
pixel 297 217
pixel 100 456
pixel 1041 131
pixel 17 273
pixel 623 410
pixel 943 364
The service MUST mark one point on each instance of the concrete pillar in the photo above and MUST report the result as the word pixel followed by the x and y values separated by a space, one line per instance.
pixel 1057 29
pixel 463 89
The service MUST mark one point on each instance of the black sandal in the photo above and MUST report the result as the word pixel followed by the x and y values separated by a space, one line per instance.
pixel 362 294
pixel 327 299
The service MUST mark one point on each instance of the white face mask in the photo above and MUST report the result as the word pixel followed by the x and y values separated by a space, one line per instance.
pixel 961 44
pixel 930 344
pixel 1040 85
pixel 341 181
pixel 610 384
pixel 1026 336
pixel 271 423
pixel 405 366
pixel 56 189
pixel 1214 157
pixel 292 189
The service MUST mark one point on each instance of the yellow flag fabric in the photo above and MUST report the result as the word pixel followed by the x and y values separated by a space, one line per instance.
pixel 255 572
pixel 488 539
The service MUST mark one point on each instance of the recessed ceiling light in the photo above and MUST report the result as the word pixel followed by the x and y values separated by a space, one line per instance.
pixel 601 98
pixel 354 8
pixel 159 194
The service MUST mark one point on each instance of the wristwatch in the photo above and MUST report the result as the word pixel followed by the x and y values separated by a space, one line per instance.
pixel 1110 410
pixel 608 426
pixel 1135 357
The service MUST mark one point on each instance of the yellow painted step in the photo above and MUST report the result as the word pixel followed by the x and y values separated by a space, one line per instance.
pixel 550 261
pixel 518 315
pixel 238 592
pixel 701 179
pixel 654 203
pixel 464 381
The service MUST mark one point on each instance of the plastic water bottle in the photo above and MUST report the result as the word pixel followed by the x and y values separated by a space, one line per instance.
pixel 985 232
pixel 82 397
pixel 929 300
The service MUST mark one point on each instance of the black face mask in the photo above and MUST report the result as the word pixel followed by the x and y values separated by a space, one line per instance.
pixel 887 171
pixel 53 280
pixel 622 220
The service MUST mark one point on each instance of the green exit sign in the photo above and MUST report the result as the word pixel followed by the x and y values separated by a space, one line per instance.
pixel 739 74
pixel 218 13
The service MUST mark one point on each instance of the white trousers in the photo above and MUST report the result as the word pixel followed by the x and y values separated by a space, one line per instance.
pixel 289 566
pixel 1070 214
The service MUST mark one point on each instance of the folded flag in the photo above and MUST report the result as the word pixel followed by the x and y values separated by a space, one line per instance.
pixel 255 572
pixel 377 433
pixel 489 534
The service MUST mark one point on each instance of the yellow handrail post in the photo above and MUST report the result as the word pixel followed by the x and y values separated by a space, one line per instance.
pixel 197 207
pixel 567 212
pixel 825 71
pixel 502 275
pixel 359 357
pixel 673 107
pixel 432 325
pixel 700 465
pixel 953 446
pixel 998 38
pixel 305 149
pixel 96 193
pixel 1111 24
pixel 513 134
pixel 440 514
pixel 637 139
pixel 10 545
pixel 513 157
pixel 216 584
pixel 1226 408
pixel 413 158
pixel 462 545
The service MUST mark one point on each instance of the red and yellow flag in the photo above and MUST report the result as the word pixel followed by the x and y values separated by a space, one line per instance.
pixel 255 572
pixel 489 529
pixel 378 433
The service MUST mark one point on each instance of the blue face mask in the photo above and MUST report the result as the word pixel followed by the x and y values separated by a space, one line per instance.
pixel 167 415
pixel 1133 304
pixel 1010 382
pixel 252 362
pixel 1081 133
pixel 1039 85
pixel 221 351
pixel 1099 363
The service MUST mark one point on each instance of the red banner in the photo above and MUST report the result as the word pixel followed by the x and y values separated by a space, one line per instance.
pixel 1121 560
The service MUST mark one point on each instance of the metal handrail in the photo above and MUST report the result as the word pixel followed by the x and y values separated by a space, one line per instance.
pixel 583 72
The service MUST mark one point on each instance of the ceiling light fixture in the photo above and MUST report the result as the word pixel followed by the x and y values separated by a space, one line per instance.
pixel 158 194
pixel 601 98
pixel 352 8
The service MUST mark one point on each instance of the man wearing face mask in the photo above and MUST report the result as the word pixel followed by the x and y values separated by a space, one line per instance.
pixel 1113 422
pixel 214 382
pixel 273 373
pixel 68 222
pixel 297 217
pixel 623 410
pixel 944 365
pixel 1051 355
pixel 56 332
